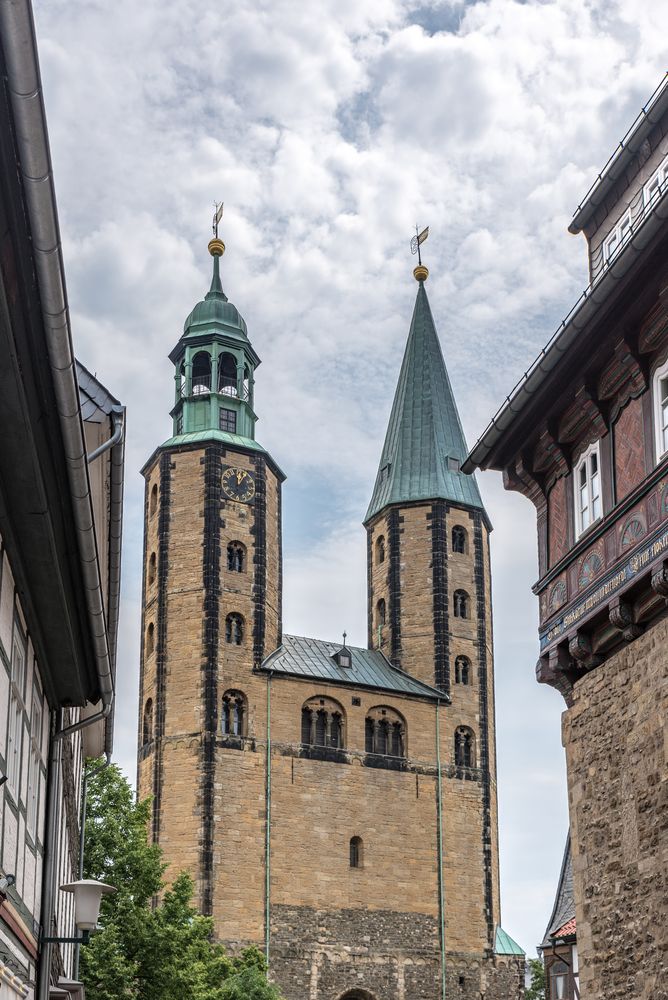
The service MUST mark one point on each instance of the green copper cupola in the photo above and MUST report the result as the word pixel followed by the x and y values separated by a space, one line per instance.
pixel 215 364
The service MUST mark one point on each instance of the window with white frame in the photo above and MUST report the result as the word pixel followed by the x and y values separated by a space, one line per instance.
pixel 16 695
pixel 34 765
pixel 617 238
pixel 660 393
pixel 656 185
pixel 587 481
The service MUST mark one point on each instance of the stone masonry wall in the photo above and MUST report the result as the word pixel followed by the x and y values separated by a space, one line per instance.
pixel 614 736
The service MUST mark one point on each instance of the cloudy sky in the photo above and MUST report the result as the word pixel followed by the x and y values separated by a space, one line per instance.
pixel 330 128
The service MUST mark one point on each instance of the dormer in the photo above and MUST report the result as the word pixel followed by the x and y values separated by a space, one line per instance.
pixel 625 196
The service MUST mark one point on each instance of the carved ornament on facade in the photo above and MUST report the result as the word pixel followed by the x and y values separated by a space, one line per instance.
pixel 620 614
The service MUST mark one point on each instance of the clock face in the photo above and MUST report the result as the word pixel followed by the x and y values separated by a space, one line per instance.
pixel 238 485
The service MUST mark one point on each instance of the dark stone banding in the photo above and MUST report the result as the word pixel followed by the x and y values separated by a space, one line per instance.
pixel 164 501
pixel 259 532
pixel 439 562
pixel 394 584
pixel 487 835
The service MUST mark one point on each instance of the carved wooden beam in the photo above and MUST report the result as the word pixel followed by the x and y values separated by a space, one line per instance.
pixel 621 616
pixel 660 579
pixel 580 648
pixel 560 671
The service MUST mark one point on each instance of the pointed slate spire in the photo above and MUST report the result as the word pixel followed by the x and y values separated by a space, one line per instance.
pixel 424 445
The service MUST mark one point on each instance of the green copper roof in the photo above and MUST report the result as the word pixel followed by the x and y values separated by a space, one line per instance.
pixel 312 658
pixel 215 311
pixel 424 446
pixel 199 437
pixel 504 944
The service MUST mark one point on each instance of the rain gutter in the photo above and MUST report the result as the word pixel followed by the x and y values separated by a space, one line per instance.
pixel 583 312
pixel 25 90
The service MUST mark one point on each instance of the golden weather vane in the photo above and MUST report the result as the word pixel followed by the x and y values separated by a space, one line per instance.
pixel 217 216
pixel 420 273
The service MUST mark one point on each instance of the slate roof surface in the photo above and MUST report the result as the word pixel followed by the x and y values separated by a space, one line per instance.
pixel 424 428
pixel 504 944
pixel 564 904
pixel 299 656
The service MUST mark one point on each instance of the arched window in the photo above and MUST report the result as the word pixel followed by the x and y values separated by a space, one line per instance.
pixel 147 723
pixel 151 567
pixel 380 549
pixel 323 723
pixel 150 639
pixel 201 373
pixel 234 629
pixel 385 732
pixel 380 612
pixel 464 747
pixel 246 392
pixel 236 557
pixel 356 852
pixel 153 502
pixel 461 604
pixel 233 714
pixel 462 670
pixel 458 539
pixel 227 374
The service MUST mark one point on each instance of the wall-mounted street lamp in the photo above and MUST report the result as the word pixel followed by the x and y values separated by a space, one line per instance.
pixel 87 894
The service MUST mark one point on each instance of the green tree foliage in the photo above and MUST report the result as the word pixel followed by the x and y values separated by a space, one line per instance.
pixel 537 989
pixel 164 952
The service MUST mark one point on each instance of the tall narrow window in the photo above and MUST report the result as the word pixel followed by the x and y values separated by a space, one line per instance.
pixel 381 737
pixel 355 852
pixel 660 393
pixel 458 539
pixel 335 730
pixel 397 747
pixel 461 604
pixel 587 489
pixel 153 502
pixel 380 612
pixel 150 639
pixel 34 765
pixel 201 374
pixel 236 557
pixel 380 549
pixel 464 747
pixel 16 710
pixel 321 728
pixel 369 728
pixel 227 374
pixel 151 567
pixel 307 717
pixel 147 726
pixel 233 714
pixel 234 629
pixel 462 670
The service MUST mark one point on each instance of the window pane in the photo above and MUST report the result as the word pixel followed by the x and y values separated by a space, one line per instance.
pixel 593 464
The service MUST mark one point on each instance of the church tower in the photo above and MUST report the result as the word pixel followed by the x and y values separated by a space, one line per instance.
pixel 212 580
pixel 429 605
pixel 335 805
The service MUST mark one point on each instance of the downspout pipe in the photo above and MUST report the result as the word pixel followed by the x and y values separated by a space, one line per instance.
pixel 51 835
pixel 82 839
pixel 439 810
pixel 118 421
pixel 267 892
pixel 25 90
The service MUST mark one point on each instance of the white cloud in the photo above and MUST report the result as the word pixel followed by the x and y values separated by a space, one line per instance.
pixel 329 129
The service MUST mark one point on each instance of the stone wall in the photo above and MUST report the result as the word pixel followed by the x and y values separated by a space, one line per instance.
pixel 614 740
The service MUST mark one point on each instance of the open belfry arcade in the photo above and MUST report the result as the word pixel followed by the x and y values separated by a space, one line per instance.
pixel 335 805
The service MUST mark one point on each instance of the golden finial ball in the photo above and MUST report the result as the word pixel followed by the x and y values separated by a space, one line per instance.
pixel 216 247
pixel 420 273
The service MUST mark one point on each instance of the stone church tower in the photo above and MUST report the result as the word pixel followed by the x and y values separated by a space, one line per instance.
pixel 335 805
